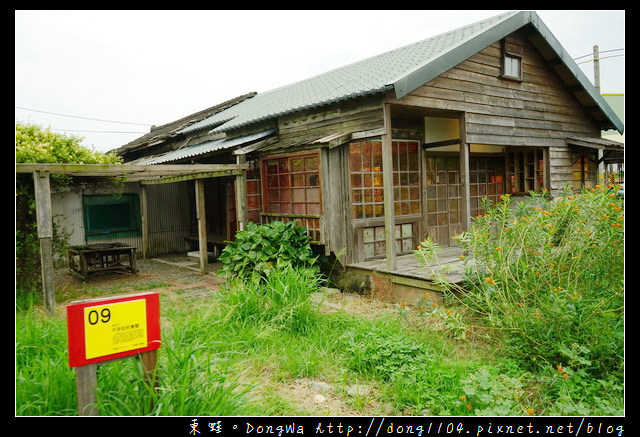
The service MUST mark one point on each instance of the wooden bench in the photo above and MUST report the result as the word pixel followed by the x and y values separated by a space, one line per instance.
pixel 216 244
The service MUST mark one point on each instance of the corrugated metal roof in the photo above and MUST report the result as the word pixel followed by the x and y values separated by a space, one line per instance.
pixel 403 69
pixel 202 148
pixel 370 76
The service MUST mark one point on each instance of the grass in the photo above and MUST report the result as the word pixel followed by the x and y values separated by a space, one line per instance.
pixel 256 347
pixel 214 362
pixel 223 360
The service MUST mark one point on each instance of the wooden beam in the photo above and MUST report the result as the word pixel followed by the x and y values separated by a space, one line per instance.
pixel 387 180
pixel 132 172
pixel 452 142
pixel 186 177
pixel 202 225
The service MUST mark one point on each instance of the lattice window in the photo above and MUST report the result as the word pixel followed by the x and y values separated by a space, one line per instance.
pixel 254 193
pixel 584 170
pixel 292 191
pixel 374 241
pixel 485 180
pixel 367 194
pixel 292 184
pixel 525 170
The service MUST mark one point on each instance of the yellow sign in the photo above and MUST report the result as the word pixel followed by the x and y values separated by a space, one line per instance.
pixel 115 327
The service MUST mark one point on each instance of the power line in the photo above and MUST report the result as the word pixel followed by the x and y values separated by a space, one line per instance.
pixel 99 131
pixel 603 51
pixel 597 59
pixel 84 118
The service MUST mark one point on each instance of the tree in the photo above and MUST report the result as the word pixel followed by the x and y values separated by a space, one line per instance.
pixel 35 144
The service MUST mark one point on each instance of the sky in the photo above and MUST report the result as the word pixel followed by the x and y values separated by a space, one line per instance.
pixel 108 76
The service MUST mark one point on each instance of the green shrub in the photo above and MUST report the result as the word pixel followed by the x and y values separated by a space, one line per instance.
pixel 260 248
pixel 35 144
pixel 550 274
pixel 382 354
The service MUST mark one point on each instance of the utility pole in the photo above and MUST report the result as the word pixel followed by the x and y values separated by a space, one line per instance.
pixel 596 67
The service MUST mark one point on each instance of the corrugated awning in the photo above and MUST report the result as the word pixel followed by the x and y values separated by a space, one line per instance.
pixel 595 143
pixel 206 147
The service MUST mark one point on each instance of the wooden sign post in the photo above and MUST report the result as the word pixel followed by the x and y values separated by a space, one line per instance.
pixel 103 330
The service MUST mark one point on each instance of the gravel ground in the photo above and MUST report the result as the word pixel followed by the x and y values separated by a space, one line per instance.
pixel 166 274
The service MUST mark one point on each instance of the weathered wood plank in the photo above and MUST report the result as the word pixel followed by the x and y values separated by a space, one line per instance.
pixel 202 224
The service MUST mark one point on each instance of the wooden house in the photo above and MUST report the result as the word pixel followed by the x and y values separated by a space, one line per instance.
pixel 377 155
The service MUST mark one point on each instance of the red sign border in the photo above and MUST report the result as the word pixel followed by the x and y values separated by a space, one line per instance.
pixel 76 333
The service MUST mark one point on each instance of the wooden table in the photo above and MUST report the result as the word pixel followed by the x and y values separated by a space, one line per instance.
pixel 93 259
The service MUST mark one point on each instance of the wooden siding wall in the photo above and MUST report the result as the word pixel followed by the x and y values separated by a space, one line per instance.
pixel 361 115
pixel 537 111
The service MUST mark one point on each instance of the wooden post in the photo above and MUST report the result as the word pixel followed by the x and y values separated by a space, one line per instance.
pixel 464 175
pixel 45 236
pixel 144 213
pixel 241 195
pixel 387 180
pixel 202 225
pixel 86 383
pixel 149 363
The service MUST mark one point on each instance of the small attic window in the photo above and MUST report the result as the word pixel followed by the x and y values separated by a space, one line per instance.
pixel 512 67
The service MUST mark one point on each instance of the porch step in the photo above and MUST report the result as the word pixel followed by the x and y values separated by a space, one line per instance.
pixel 196 255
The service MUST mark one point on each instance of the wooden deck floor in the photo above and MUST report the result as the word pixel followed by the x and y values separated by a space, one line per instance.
pixel 449 263
pixel 409 281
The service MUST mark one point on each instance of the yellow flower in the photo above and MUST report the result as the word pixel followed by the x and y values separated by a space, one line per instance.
pixel 489 280
pixel 530 411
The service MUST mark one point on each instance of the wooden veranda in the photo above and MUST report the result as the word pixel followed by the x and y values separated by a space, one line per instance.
pixel 408 280
pixel 143 174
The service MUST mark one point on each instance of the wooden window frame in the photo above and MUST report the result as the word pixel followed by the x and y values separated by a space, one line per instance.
pixel 287 183
pixel 367 197
pixel 254 192
pixel 506 71
pixel 99 209
pixel 587 177
pixel 519 169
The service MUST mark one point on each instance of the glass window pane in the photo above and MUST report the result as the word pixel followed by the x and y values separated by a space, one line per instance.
pixel 297 164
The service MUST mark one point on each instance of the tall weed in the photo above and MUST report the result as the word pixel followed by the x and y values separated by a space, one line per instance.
pixel 550 275
pixel 280 299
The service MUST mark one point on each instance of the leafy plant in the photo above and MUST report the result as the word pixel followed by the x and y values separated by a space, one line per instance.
pixel 550 274
pixel 260 248
pixel 491 394
pixel 35 144
pixel 381 354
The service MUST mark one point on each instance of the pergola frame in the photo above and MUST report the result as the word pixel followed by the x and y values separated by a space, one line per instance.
pixel 143 174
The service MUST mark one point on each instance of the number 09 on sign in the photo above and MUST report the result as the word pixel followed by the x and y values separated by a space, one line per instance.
pixel 104 329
